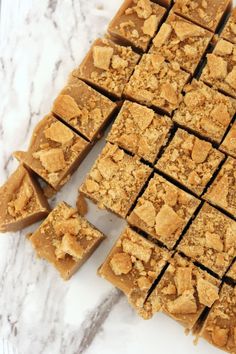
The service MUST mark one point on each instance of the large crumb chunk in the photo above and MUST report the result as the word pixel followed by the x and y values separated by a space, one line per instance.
pixel 136 250
pixel 150 25
pixel 184 304
pixel 167 221
pixel 200 150
pixel 102 57
pixel 59 132
pixel 71 246
pixel 52 160
pixel 65 106
pixel 121 263
pixel 207 292
pixel 147 213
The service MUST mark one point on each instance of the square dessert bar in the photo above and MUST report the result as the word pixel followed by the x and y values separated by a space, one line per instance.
pixel 183 293
pixel 22 202
pixel 181 41
pixel 229 31
pixel 140 131
pixel 163 211
pixel 206 13
pixel 190 161
pixel 65 239
pixel 54 153
pixel 157 83
pixel 231 274
pixel 108 67
pixel 115 180
pixel 220 69
pixel 205 111
pixel 133 265
pixel 83 108
pixel 136 23
pixel 219 328
pixel 222 191
pixel 211 240
pixel 229 143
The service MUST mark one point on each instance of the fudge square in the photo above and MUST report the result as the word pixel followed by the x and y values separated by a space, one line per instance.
pixel 83 108
pixel 183 293
pixel 229 143
pixel 108 67
pixel 115 180
pixel 229 31
pixel 133 265
pixel 157 83
pixel 211 240
pixel 140 131
pixel 205 111
pixel 181 41
pixel 222 191
pixel 190 161
pixel 22 202
pixel 55 152
pixel 65 239
pixel 220 69
pixel 232 272
pixel 163 210
pixel 219 328
pixel 136 23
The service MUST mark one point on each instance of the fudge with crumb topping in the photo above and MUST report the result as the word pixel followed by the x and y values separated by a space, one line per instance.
pixel 229 143
pixel 229 31
pixel 231 274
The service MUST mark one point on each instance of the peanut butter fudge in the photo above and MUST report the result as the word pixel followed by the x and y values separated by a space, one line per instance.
pixel 211 240
pixel 136 23
pixel 229 31
pixel 205 111
pixel 222 191
pixel 231 274
pixel 66 240
pixel 229 143
pixel 83 108
pixel 220 69
pixel 133 265
pixel 108 67
pixel 220 326
pixel 157 83
pixel 140 131
pixel 22 202
pixel 190 161
pixel 55 152
pixel 163 211
pixel 206 13
pixel 115 180
pixel 181 41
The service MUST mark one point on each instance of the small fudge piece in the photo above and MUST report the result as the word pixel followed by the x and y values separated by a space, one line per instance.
pixel 205 111
pixel 133 265
pixel 136 23
pixel 54 153
pixel 108 67
pixel 210 240
pixel 229 143
pixel 181 41
pixel 83 108
pixel 65 239
pixel 222 191
pixel 206 13
pixel 229 31
pixel 220 69
pixel 190 161
pixel 183 293
pixel 140 131
pixel 163 211
pixel 157 83
pixel 231 274
pixel 219 328
pixel 22 202
pixel 115 180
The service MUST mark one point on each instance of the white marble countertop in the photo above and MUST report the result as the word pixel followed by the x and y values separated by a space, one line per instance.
pixel 40 43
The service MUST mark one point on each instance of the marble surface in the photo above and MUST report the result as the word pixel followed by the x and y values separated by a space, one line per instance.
pixel 40 43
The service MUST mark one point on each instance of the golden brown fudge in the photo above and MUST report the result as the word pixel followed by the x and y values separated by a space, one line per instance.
pixel 183 293
pixel 222 191
pixel 133 265
pixel 229 31
pixel 108 67
pixel 190 161
pixel 220 69
pixel 229 143
pixel 136 23
pixel 211 240
pixel 83 108
pixel 140 131
pixel 206 13
pixel 205 111
pixel 55 152
pixel 157 83
pixel 115 180
pixel 232 272
pixel 181 41
pixel 220 326
pixel 163 211
pixel 66 240
pixel 22 202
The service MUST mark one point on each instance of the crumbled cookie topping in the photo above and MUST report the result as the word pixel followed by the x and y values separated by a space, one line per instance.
pixel 232 272
pixel 229 31
pixel 229 143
